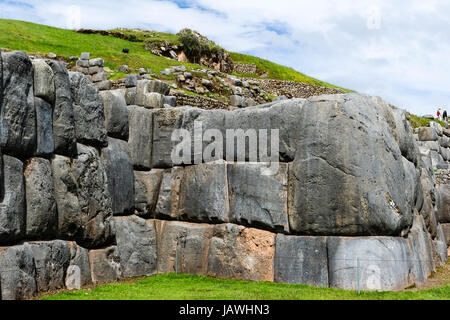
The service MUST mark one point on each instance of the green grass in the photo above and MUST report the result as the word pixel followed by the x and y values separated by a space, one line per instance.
pixel 417 121
pixel 191 287
pixel 40 39
pixel 279 72
pixel 35 38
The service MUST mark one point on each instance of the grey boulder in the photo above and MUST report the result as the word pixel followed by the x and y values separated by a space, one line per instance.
pixel 44 85
pixel 45 144
pixel 140 137
pixel 41 214
pixel 116 114
pixel 146 189
pixel 88 111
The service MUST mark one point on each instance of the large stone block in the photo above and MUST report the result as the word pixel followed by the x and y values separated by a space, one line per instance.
pixel 204 193
pixel 150 93
pixel 165 121
pixel 12 206
pixel 337 188
pixel 141 136
pixel 41 214
pixel 44 85
pixel 440 253
pixel 45 144
pixel 384 263
pixel 241 253
pixel 301 260
pixel 51 259
pixel 197 121
pixel 187 242
pixel 63 119
pixel 88 110
pixel 17 272
pixel 79 271
pixel 83 199
pixel 119 172
pixel 146 188
pixel 168 204
pixel 105 265
pixel 282 116
pixel 443 202
pixel 116 114
pixel 403 134
pixel 136 246
pixel 17 113
pixel 259 200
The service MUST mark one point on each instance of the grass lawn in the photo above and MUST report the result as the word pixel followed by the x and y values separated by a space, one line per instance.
pixel 192 287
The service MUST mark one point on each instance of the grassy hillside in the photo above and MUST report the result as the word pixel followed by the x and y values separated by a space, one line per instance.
pixel 34 38
pixel 191 287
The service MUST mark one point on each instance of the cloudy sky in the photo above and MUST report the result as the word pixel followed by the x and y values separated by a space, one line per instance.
pixel 399 50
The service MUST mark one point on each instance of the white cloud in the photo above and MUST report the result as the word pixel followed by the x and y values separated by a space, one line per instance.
pixel 395 49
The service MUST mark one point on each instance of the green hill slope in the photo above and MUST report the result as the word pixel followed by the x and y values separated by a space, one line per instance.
pixel 40 39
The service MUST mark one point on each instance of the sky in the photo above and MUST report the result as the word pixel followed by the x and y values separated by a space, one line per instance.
pixel 398 50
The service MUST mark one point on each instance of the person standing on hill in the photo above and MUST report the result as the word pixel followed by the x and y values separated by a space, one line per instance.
pixel 444 115
pixel 439 114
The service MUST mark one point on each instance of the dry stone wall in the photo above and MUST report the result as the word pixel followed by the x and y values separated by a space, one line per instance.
pixel 89 192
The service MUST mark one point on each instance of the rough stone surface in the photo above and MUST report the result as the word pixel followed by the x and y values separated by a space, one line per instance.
pixel 446 231
pixel 188 242
pixel 131 80
pixel 12 206
pixel 130 96
pixel 168 204
pixel 402 133
pixel 45 144
pixel 78 272
pixel 149 93
pixel 284 116
pixel 17 113
pixel 338 189
pixel 119 172
pixel 204 193
pixel 140 137
pixel 41 214
pixel 88 111
pixel 443 202
pixel 384 263
pixel 259 200
pixel 63 119
pixel 17 272
pixel 116 114
pixel 105 265
pixel 165 121
pixel 427 134
pixel 241 253
pixel 420 246
pixel 44 85
pixel 84 209
pixel 146 190
pixel 136 246
pixel 301 260
pixel 51 259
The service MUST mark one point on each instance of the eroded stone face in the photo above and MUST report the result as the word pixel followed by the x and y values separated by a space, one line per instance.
pixel 146 190
pixel 105 265
pixel 141 137
pixel 384 263
pixel 301 260
pixel 12 206
pixel 116 114
pixel 258 200
pixel 41 215
pixel 241 253
pixel 340 189
pixel 17 272
pixel 88 111
pixel 119 173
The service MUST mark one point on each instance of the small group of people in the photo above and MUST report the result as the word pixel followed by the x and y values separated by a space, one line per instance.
pixel 442 115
